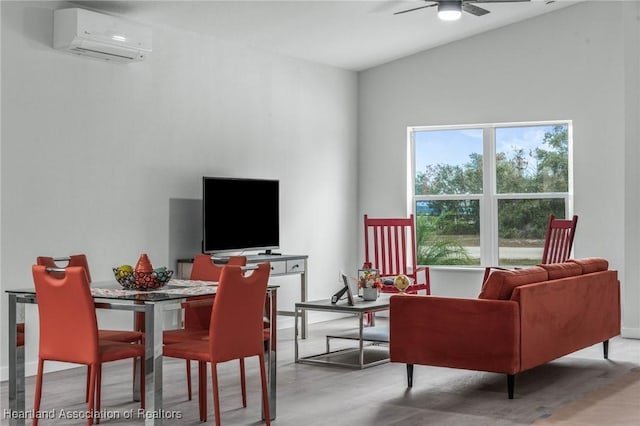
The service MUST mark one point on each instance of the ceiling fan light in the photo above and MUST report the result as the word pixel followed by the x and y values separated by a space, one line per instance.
pixel 449 10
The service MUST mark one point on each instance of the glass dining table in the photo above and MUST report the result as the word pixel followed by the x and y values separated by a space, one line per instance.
pixel 110 295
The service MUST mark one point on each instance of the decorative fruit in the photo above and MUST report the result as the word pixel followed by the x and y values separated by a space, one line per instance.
pixel 123 271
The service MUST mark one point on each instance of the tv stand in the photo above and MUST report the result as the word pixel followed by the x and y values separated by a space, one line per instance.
pixel 281 264
pixel 269 253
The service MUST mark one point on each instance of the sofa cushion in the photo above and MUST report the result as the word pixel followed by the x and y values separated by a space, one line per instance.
pixel 500 284
pixel 562 270
pixel 591 264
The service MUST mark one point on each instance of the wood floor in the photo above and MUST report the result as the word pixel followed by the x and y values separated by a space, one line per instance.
pixel 313 395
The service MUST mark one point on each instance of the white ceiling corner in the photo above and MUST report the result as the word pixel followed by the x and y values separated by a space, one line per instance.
pixel 350 34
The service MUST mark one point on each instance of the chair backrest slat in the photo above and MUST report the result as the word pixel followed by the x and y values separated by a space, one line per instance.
pixel 387 247
pixel 559 239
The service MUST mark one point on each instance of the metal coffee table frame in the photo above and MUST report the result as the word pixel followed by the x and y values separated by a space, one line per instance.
pixel 366 336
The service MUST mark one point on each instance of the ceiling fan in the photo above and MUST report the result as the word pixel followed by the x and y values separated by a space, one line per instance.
pixel 452 10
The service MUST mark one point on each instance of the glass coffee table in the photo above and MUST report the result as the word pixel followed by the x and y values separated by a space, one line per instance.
pixel 373 342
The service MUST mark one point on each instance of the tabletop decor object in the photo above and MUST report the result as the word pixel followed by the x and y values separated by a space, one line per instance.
pixel 133 280
pixel 402 283
pixel 144 264
pixel 143 277
pixel 370 283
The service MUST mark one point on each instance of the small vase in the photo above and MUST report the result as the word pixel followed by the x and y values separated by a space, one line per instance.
pixel 370 293
pixel 144 264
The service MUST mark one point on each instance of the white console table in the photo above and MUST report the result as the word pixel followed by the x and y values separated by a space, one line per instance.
pixel 281 264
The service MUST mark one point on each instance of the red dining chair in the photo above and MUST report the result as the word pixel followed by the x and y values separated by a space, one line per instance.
pixel 125 336
pixel 235 332
pixel 558 242
pixel 390 247
pixel 197 310
pixel 20 334
pixel 69 331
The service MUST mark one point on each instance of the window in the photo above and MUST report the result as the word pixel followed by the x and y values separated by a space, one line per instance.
pixel 495 212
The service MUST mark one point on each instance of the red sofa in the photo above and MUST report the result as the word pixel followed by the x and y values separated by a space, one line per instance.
pixel 521 319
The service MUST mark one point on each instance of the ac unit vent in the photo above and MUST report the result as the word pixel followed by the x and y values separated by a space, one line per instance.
pixel 88 33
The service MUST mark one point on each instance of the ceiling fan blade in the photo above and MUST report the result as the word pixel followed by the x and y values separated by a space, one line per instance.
pixel 415 8
pixel 474 10
pixel 495 1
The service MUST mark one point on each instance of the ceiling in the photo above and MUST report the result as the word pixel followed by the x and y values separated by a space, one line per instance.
pixel 350 34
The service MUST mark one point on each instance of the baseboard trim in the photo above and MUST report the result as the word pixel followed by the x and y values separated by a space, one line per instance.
pixel 31 367
pixel 630 333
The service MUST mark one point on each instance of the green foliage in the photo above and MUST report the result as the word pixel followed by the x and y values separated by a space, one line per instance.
pixel 451 179
pixel 443 252
pixel 527 219
pixel 543 170
pixel 437 250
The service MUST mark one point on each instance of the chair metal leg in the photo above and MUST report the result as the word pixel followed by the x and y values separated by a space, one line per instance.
pixel 243 383
pixel 216 396
pixel 188 361
pixel 38 394
pixel 142 385
pixel 92 393
pixel 605 349
pixel 265 396
pixel 510 385
pixel 97 390
pixel 202 390
pixel 86 396
pixel 410 375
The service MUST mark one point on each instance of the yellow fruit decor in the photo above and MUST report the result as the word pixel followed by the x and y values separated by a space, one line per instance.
pixel 124 271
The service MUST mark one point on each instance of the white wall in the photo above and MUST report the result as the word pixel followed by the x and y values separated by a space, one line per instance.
pixel 579 63
pixel 93 151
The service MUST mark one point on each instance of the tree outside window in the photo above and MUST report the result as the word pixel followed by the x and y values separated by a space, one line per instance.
pixel 469 212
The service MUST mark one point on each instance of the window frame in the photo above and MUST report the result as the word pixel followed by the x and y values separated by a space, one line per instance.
pixel 489 199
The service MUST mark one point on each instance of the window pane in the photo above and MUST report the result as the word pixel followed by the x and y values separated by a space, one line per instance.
pixel 532 159
pixel 522 225
pixel 448 162
pixel 448 232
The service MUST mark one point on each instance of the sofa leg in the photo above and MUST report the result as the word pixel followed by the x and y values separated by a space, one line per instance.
pixel 510 384
pixel 605 348
pixel 410 375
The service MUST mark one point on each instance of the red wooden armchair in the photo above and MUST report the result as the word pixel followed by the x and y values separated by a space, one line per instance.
pixel 235 332
pixel 197 310
pixel 559 239
pixel 69 331
pixel 390 247
pixel 558 242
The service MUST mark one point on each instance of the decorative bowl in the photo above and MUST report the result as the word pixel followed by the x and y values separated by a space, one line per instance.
pixel 133 280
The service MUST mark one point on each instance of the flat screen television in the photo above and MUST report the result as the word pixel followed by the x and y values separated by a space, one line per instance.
pixel 240 214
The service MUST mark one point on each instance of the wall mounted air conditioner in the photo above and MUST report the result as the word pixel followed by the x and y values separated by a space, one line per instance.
pixel 100 36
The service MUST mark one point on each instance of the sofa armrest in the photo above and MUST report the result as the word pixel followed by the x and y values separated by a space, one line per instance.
pixel 572 313
pixel 474 334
